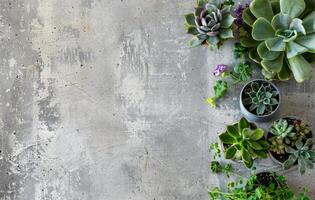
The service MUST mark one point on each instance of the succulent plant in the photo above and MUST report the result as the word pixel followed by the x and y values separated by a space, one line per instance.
pixel 282 130
pixel 282 37
pixel 210 24
pixel 243 142
pixel 261 98
pixel 277 145
pixel 302 129
pixel 302 154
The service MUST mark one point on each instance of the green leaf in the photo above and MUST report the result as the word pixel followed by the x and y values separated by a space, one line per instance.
pixel 275 44
pixel 248 160
pixel 294 49
pixel 195 42
pixel 233 131
pixel 262 30
pixel 268 75
pixel 192 30
pixel 261 8
pixel 281 21
pixel 260 153
pixel 297 25
pixel 292 7
pixel 226 10
pixel 255 145
pixel 310 57
pixel 285 73
pixel 227 21
pixel 248 17
pixel 302 166
pixel 291 160
pixel 226 138
pixel 201 3
pixel 230 152
pixel 307 41
pixel 190 19
pixel 248 42
pixel 243 123
pixel 220 88
pixel 264 144
pixel 273 65
pixel 265 53
pixel 300 68
pixel 253 55
pixel 309 22
pixel 198 11
pixel 257 134
pixel 213 40
pixel 226 33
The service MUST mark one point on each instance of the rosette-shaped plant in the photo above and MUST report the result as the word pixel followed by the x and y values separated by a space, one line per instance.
pixel 210 24
pixel 283 37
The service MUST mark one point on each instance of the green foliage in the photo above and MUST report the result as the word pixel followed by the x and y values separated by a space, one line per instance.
pixel 276 189
pixel 303 130
pixel 243 142
pixel 214 147
pixel 277 145
pixel 302 154
pixel 282 129
pixel 281 39
pixel 210 23
pixel 242 72
pixel 220 88
pixel 239 50
pixel 216 167
pixel 261 98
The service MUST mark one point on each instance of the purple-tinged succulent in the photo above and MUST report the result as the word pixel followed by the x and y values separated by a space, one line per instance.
pixel 219 69
pixel 238 10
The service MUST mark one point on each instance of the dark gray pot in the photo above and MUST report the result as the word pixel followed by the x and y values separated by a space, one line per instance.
pixel 257 118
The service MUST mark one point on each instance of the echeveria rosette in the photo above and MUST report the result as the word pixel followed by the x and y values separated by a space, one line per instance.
pixel 210 24
pixel 284 42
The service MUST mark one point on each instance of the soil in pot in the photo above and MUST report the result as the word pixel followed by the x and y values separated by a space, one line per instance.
pixel 283 157
pixel 265 179
pixel 245 96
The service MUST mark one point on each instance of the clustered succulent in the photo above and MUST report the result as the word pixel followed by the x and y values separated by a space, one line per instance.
pixel 210 23
pixel 281 37
pixel 302 129
pixel 261 98
pixel 302 154
pixel 243 142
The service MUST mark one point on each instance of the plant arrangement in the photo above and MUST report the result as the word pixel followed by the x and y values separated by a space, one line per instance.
pixel 259 100
pixel 210 23
pixel 290 143
pixel 262 186
pixel 243 141
pixel 281 36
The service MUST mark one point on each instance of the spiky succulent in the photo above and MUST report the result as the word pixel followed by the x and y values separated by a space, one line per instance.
pixel 282 37
pixel 282 130
pixel 302 129
pixel 261 98
pixel 277 145
pixel 243 142
pixel 210 24
pixel 302 154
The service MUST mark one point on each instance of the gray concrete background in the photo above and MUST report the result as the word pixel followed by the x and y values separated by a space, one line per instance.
pixel 102 100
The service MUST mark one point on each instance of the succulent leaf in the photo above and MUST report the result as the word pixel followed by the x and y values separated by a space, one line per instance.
pixel 265 53
pixel 226 138
pixel 261 8
pixel 273 65
pixel 281 21
pixel 309 23
pixel 293 8
pixel 262 30
pixel 300 68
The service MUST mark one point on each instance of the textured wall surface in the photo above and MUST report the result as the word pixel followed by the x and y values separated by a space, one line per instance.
pixel 102 100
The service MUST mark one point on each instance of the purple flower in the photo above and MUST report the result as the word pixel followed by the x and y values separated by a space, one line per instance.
pixel 238 13
pixel 219 69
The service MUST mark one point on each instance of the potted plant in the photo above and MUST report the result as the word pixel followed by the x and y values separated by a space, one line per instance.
pixel 264 185
pixel 259 100
pixel 244 141
pixel 291 143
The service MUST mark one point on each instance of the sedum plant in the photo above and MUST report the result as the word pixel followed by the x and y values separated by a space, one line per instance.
pixel 210 23
pixel 303 155
pixel 261 98
pixel 302 130
pixel 282 37
pixel 243 142
pixel 277 145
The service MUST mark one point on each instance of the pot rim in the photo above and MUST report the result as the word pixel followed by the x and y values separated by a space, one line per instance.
pixel 266 81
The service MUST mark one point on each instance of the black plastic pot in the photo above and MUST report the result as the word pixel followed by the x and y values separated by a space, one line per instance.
pixel 252 116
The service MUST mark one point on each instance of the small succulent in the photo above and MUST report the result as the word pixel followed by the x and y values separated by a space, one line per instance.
pixel 302 154
pixel 243 142
pixel 302 129
pixel 282 130
pixel 210 24
pixel 277 145
pixel 281 37
pixel 261 98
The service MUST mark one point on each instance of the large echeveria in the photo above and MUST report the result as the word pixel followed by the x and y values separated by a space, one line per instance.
pixel 282 42
pixel 210 24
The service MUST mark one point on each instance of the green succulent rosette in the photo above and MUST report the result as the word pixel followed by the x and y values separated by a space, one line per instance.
pixel 210 23
pixel 281 37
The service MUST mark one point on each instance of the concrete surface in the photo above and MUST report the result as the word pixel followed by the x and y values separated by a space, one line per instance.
pixel 102 100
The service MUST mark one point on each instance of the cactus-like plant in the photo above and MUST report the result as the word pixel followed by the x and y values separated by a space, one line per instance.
pixel 243 142
pixel 282 130
pixel 282 37
pixel 301 154
pixel 210 23
pixel 277 145
pixel 261 98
